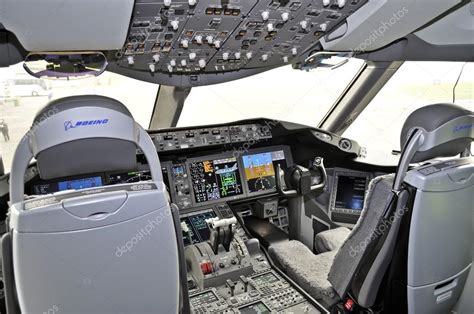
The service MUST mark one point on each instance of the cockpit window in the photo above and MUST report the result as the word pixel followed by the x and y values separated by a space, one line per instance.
pixel 282 94
pixel 414 85
pixel 21 96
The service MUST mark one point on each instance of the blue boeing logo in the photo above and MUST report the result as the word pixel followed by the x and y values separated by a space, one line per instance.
pixel 461 127
pixel 72 125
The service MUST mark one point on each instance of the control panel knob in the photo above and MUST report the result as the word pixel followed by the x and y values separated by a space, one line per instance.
pixel 156 58
pixel 285 16
pixel 185 43
pixel 285 59
pixel 341 3
pixel 131 60
pixel 202 63
pixel 249 55
pixel 326 2
pixel 323 27
pixel 270 27
pixel 173 62
pixel 294 51
pixel 175 25
pixel 183 62
pixel 265 15
pixel 151 66
pixel 198 39
pixel 192 2
pixel 167 3
pixel 237 55
pixel 264 57
pixel 217 43
pixel 304 24
pixel 209 39
pixel 225 56
pixel 192 56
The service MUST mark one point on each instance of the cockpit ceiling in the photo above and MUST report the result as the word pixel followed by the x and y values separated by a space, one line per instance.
pixel 199 42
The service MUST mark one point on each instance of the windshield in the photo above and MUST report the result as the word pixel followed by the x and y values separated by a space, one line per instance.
pixel 281 94
pixel 21 96
pixel 414 85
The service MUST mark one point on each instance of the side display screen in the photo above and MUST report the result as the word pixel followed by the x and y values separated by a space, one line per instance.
pixel 75 184
pixel 215 179
pixel 198 230
pixel 260 170
pixel 350 192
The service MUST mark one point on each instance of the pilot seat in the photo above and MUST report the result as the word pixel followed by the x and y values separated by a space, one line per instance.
pixel 410 249
pixel 106 249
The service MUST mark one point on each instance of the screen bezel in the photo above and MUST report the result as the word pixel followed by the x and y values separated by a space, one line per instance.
pixel 289 162
pixel 214 157
pixel 337 174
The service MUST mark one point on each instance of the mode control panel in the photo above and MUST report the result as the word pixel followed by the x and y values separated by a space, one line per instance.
pixel 219 135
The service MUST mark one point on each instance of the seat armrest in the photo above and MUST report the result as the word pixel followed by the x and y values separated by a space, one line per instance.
pixel 266 232
pixel 331 239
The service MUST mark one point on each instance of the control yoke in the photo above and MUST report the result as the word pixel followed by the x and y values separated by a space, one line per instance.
pixel 299 180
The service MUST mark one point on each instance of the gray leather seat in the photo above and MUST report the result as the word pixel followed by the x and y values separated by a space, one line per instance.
pixel 361 262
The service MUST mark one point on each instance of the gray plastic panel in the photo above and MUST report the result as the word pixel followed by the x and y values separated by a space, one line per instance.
pixel 380 22
pixel 98 270
pixel 56 25
pixel 441 232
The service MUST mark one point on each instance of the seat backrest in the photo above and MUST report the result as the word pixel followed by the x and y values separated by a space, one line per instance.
pixel 361 264
pixel 88 251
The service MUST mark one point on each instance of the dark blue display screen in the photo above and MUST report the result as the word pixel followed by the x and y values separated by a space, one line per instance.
pixel 350 192
pixel 80 184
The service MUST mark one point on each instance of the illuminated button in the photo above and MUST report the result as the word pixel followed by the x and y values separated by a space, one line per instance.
pixel 217 43
pixel 285 59
pixel 225 56
pixel 167 3
pixel 249 55
pixel 323 27
pixel 156 58
pixel 173 62
pixel 209 39
pixel 294 51
pixel 304 24
pixel 264 57
pixel 192 56
pixel 341 3
pixel 265 15
pixel 130 60
pixel 202 63
pixel 151 66
pixel 183 62
pixel 237 55
pixel 285 16
pixel 185 43
pixel 270 27
pixel 326 2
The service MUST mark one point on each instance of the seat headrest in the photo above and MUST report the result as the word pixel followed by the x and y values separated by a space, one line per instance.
pixel 83 134
pixel 447 130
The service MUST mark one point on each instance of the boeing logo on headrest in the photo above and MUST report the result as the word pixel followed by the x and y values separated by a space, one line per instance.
pixel 72 125
pixel 461 127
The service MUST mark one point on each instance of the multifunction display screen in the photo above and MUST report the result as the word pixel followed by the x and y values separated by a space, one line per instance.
pixel 350 192
pixel 215 179
pixel 260 170
pixel 198 229
pixel 75 184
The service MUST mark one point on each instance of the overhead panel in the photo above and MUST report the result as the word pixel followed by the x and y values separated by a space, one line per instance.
pixel 213 36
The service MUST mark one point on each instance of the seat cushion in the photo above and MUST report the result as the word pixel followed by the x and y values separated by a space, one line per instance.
pixel 306 269
pixel 331 239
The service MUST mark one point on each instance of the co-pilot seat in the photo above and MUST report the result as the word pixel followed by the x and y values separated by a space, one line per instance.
pixel 421 219
pixel 111 249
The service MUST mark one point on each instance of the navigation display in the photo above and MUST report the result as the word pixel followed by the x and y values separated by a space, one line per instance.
pixel 260 169
pixel 350 192
pixel 215 179
pixel 255 308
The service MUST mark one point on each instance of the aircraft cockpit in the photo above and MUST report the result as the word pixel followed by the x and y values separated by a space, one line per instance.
pixel 222 156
